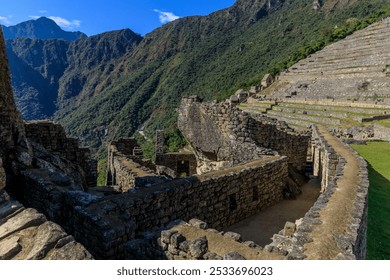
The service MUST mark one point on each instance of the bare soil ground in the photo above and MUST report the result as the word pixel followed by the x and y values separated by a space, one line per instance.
pixel 262 226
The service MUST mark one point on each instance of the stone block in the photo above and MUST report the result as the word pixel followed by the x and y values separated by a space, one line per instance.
pixel 233 235
pixel 234 256
pixel 184 246
pixel 166 236
pixel 198 223
pixel 199 247
pixel 176 239
pixel 289 229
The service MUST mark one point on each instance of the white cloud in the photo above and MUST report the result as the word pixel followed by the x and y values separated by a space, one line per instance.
pixel 70 24
pixel 166 16
pixel 43 12
pixel 64 23
pixel 5 20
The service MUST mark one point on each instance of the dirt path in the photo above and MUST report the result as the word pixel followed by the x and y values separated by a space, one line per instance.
pixel 262 226
pixel 336 215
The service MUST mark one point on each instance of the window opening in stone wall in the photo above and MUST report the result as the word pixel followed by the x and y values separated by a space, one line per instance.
pixel 183 168
pixel 232 202
pixel 255 193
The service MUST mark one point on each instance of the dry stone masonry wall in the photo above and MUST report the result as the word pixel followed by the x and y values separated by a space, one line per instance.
pixel 351 242
pixel 220 199
pixel 52 137
pixel 127 169
pixel 9 117
pixel 223 136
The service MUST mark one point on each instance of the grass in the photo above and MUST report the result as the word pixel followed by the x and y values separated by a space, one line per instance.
pixel 385 123
pixel 102 172
pixel 377 154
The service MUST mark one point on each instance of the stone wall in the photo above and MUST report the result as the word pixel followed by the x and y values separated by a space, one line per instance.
pixel 52 137
pixel 219 198
pixel 351 243
pixel 9 116
pixel 223 136
pixel 324 159
pixel 174 160
pixel 2 175
pixel 11 126
pixel 381 133
pixel 272 134
pixel 127 169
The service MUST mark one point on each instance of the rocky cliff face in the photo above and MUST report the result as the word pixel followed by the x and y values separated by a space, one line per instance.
pixel 47 72
pixel 37 66
pixel 90 62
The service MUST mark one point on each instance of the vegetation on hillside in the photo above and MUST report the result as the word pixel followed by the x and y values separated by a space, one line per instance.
pixel 194 56
pixel 102 172
pixel 114 83
pixel 378 235
pixel 329 36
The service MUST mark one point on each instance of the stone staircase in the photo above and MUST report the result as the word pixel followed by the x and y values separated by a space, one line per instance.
pixel 355 69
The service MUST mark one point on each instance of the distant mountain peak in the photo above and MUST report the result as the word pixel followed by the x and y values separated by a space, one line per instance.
pixel 41 28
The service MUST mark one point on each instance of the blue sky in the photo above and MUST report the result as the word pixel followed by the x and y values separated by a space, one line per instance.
pixel 93 17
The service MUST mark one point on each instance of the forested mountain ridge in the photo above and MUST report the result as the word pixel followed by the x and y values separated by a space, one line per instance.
pixel 141 84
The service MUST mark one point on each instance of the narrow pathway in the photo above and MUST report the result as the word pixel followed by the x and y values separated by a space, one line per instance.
pixel 262 226
pixel 336 215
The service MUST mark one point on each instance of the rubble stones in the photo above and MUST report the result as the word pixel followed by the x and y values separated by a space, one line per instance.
pixel 234 256
pixel 198 223
pixel 233 235
pixel 199 247
pixel 9 248
pixel 289 229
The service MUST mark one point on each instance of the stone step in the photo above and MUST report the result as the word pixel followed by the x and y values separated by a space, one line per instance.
pixel 335 108
pixel 304 111
pixel 305 118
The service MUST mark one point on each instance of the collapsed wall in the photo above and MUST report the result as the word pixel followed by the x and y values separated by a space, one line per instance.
pixel 223 136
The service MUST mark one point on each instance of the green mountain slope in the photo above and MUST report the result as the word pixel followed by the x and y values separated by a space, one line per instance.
pixel 48 73
pixel 36 67
pixel 208 56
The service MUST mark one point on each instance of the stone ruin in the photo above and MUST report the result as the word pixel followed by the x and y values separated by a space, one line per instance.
pixel 241 165
pixel 24 232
